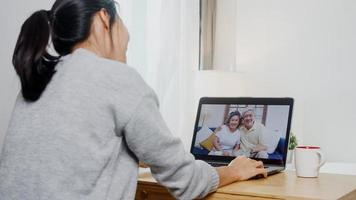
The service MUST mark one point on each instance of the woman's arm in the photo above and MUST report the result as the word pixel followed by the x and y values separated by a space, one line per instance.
pixel 149 139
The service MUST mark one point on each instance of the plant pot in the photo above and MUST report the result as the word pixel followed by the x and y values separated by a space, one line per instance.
pixel 290 156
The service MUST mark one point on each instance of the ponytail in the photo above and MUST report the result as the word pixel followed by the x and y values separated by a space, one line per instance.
pixel 67 23
pixel 33 64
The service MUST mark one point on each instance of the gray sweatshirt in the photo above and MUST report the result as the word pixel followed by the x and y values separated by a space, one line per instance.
pixel 84 137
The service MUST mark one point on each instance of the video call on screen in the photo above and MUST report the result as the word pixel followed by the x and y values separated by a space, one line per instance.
pixel 255 131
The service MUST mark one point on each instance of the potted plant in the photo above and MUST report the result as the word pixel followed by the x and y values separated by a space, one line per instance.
pixel 291 146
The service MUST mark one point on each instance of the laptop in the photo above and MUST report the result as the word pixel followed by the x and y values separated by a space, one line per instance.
pixel 257 128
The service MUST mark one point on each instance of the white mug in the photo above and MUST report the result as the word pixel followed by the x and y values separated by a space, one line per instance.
pixel 308 160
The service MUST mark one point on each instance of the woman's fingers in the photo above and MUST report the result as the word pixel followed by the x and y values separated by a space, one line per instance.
pixel 262 171
pixel 258 164
pixel 259 168
pixel 246 168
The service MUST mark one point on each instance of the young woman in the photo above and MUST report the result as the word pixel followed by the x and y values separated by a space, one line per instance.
pixel 84 119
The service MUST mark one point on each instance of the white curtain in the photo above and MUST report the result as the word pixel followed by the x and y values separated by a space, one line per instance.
pixel 218 35
pixel 156 51
pixel 207 39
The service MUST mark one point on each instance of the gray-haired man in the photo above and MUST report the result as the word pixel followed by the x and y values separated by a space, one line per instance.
pixel 252 136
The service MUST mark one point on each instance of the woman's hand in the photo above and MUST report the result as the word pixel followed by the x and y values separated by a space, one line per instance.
pixel 240 169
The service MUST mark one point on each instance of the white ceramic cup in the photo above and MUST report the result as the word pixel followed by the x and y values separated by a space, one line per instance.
pixel 308 160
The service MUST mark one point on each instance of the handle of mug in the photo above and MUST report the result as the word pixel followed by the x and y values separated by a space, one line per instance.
pixel 321 158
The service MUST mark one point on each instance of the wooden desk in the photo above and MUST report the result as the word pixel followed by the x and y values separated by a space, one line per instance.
pixel 285 185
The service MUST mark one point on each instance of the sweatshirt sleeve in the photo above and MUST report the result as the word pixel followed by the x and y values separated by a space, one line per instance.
pixel 149 138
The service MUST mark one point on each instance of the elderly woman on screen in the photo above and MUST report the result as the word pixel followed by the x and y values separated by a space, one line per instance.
pixel 228 136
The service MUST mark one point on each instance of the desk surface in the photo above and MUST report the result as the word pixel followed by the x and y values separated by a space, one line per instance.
pixel 287 185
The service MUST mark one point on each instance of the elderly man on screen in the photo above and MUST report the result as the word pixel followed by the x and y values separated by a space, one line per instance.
pixel 253 142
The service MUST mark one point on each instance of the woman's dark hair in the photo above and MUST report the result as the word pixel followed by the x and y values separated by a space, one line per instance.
pixel 67 23
pixel 235 113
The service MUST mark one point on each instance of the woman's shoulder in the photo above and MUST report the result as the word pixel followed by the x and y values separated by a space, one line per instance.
pixel 119 72
pixel 106 73
pixel 90 62
pixel 125 79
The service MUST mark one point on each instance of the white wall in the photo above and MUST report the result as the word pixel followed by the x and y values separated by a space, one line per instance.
pixel 304 49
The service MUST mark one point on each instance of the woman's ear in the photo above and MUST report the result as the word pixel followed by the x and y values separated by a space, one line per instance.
pixel 105 18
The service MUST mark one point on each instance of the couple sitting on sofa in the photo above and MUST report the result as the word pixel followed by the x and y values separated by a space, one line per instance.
pixel 241 135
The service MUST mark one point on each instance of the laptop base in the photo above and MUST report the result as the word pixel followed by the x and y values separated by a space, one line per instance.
pixel 270 169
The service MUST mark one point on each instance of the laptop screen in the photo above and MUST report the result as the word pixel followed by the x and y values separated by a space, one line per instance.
pixel 253 130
